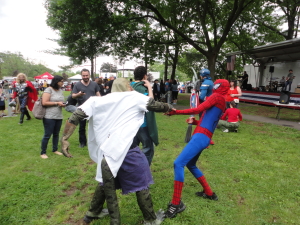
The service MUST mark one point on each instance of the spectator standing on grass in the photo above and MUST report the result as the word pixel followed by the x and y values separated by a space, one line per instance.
pixel 45 85
pixel 206 87
pixel 53 100
pixel 289 79
pixel 41 86
pixel 230 119
pixel 147 134
pixel 26 94
pixel 108 85
pixel 99 81
pixel 197 86
pixel 162 87
pixel 156 90
pixel 233 94
pixel 2 103
pixel 5 87
pixel 168 91
pixel 82 91
pixel 174 91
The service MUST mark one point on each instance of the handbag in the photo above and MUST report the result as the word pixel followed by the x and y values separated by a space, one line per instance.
pixel 38 110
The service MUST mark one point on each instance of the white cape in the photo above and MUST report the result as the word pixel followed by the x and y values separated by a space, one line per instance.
pixel 114 120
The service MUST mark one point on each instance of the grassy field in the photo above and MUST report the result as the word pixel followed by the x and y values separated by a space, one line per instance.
pixel 255 174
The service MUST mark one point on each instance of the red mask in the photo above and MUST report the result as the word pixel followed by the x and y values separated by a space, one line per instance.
pixel 221 86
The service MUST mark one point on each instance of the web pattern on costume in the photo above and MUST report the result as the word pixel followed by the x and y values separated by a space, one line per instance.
pixel 213 108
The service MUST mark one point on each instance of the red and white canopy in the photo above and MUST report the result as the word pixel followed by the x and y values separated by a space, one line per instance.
pixel 44 76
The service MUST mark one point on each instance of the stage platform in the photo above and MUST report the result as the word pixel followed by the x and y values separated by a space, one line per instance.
pixel 267 98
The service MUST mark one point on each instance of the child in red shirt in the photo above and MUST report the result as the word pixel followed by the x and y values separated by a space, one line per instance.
pixel 234 116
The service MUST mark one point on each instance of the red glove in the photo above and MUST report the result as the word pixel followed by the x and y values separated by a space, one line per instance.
pixel 171 113
pixel 190 120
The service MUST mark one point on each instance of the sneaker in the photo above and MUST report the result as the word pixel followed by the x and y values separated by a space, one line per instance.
pixel 203 195
pixel 174 209
pixel 89 219
pixel 226 131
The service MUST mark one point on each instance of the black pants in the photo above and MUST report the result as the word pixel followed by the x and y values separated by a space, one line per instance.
pixel 82 135
pixel 156 96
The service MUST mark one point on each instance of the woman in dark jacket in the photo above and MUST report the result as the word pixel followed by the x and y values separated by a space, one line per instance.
pixel 99 81
pixel 162 87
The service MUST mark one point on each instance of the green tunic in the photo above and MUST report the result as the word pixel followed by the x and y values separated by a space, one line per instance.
pixel 150 116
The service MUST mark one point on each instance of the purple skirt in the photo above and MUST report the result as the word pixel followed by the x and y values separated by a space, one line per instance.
pixel 134 174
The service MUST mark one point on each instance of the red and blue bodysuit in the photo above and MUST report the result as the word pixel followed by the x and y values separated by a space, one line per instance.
pixel 212 109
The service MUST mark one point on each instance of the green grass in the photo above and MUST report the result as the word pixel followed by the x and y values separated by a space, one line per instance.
pixel 254 173
pixel 270 111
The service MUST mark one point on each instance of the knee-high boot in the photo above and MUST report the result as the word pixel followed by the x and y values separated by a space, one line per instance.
pixel 96 210
pixel 21 118
pixel 146 206
pixel 97 202
pixel 110 194
pixel 27 114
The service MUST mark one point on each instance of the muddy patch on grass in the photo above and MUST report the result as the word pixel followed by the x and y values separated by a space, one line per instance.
pixel 241 200
pixel 90 162
pixel 70 190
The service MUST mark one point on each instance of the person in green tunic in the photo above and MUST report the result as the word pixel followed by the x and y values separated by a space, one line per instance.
pixel 147 134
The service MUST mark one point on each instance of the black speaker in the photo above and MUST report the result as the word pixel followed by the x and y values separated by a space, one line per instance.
pixel 284 97
pixel 271 69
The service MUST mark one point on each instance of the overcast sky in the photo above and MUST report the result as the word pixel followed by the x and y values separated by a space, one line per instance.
pixel 23 29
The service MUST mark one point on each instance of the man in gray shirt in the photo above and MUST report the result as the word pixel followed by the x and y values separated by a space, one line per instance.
pixel 289 79
pixel 81 92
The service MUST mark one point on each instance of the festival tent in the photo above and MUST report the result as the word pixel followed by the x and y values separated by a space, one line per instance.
pixel 75 78
pixel 44 76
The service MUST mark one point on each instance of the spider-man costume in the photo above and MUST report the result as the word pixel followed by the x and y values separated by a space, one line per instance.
pixel 212 110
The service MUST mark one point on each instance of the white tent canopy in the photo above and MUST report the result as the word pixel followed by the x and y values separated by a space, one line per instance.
pixel 75 78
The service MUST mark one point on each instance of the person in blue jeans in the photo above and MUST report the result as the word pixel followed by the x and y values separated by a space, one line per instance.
pixel 147 134
pixel 53 100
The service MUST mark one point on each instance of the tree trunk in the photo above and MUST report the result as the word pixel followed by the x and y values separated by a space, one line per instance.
pixel 174 64
pixel 92 68
pixel 211 61
pixel 146 57
pixel 166 63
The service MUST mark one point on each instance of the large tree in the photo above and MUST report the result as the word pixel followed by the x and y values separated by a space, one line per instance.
pixel 79 24
pixel 208 22
pixel 282 12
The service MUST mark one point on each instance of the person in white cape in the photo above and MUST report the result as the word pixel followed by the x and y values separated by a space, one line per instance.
pixel 114 120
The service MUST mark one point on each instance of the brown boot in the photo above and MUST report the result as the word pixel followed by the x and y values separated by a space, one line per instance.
pixel 68 131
